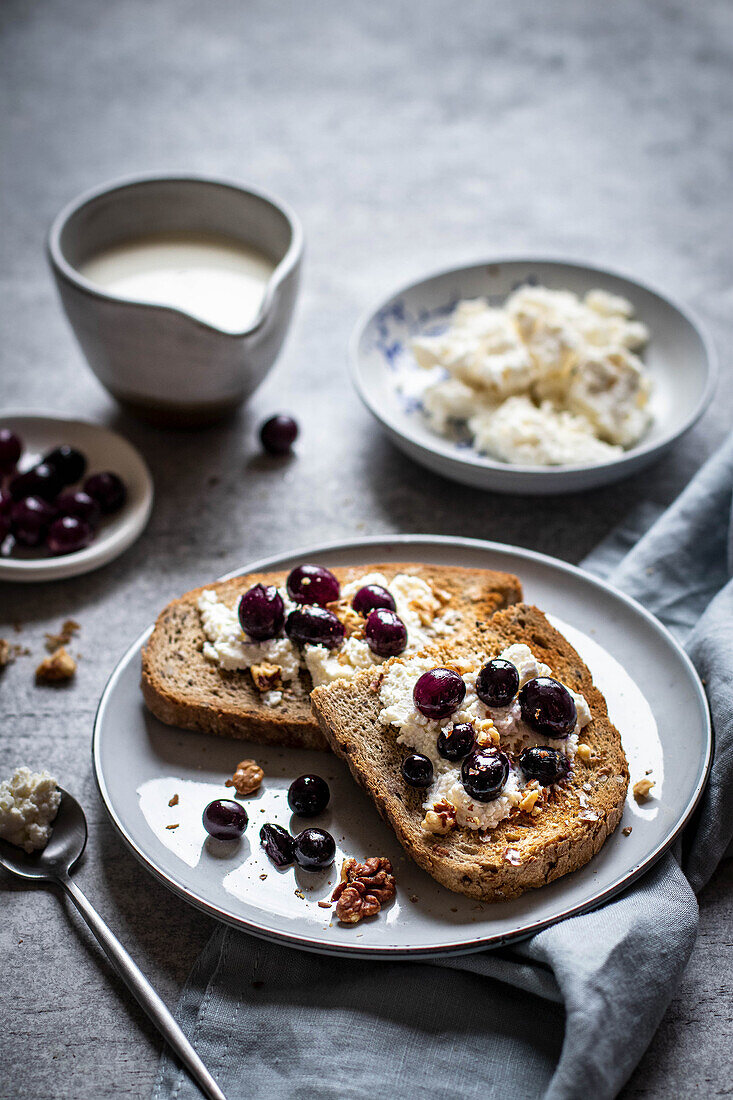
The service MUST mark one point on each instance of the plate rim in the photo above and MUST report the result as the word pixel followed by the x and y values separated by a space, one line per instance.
pixel 309 943
pixel 66 566
pixel 476 462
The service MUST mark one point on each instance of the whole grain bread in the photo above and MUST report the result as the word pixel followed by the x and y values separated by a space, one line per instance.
pixel 571 827
pixel 182 688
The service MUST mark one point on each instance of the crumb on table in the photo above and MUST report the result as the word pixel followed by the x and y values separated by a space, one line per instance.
pixel 69 628
pixel 58 668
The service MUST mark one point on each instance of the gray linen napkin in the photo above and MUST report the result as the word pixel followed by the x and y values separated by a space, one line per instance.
pixel 564 1015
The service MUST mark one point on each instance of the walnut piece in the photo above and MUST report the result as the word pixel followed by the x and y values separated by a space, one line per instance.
pixel 441 819
pixel 57 668
pixel 5 656
pixel 353 622
pixel 247 778
pixel 364 889
pixel 642 787
pixel 527 803
pixel 266 676
pixel 486 732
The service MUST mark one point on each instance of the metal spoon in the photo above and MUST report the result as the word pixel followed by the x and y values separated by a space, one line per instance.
pixel 54 864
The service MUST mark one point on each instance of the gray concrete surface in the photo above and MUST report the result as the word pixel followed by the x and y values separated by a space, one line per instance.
pixel 407 136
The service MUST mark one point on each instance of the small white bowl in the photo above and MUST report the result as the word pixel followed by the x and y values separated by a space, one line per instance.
pixel 105 450
pixel 680 358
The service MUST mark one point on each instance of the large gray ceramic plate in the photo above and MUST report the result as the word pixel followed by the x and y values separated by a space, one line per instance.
pixel 680 360
pixel 654 697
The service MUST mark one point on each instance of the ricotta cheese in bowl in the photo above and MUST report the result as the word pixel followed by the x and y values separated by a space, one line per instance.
pixel 546 379
pixel 29 802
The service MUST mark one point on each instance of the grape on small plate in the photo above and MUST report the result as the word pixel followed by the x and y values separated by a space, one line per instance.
pixel 63 445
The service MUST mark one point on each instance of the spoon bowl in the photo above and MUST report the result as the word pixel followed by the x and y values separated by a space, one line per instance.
pixel 61 854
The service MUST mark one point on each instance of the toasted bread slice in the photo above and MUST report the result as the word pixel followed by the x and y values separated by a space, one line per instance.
pixel 523 851
pixel 182 688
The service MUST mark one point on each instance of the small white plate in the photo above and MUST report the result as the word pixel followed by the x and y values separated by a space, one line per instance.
pixel 654 696
pixel 105 450
pixel 680 358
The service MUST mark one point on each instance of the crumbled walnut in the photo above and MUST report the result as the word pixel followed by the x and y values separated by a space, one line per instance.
pixel 172 826
pixel 364 888
pixel 486 732
pixel 247 778
pixel 5 655
pixel 353 622
pixel 441 819
pixel 627 831
pixel 266 676
pixel 57 668
pixel 461 665
pixel 325 904
pixel 425 607
pixel 68 629
pixel 174 800
pixel 528 801
pixel 642 787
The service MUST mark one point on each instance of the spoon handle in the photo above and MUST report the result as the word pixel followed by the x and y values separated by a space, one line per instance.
pixel 139 985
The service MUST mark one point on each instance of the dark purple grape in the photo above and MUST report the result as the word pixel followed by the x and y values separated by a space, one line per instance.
pixel 68 534
pixel 262 612
pixel 439 692
pixel 278 844
pixel 309 584
pixel 548 707
pixel 11 449
pixel 314 849
pixel 80 505
pixel 386 634
pixel 371 596
pixel 30 520
pixel 484 774
pixel 308 795
pixel 314 626
pixel 41 481
pixel 278 434
pixel 6 506
pixel 417 770
pixel 544 764
pixel 108 490
pixel 497 683
pixel 457 742
pixel 225 819
pixel 70 465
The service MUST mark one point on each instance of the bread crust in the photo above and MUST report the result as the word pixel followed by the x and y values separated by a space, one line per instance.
pixel 182 688
pixel 565 835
